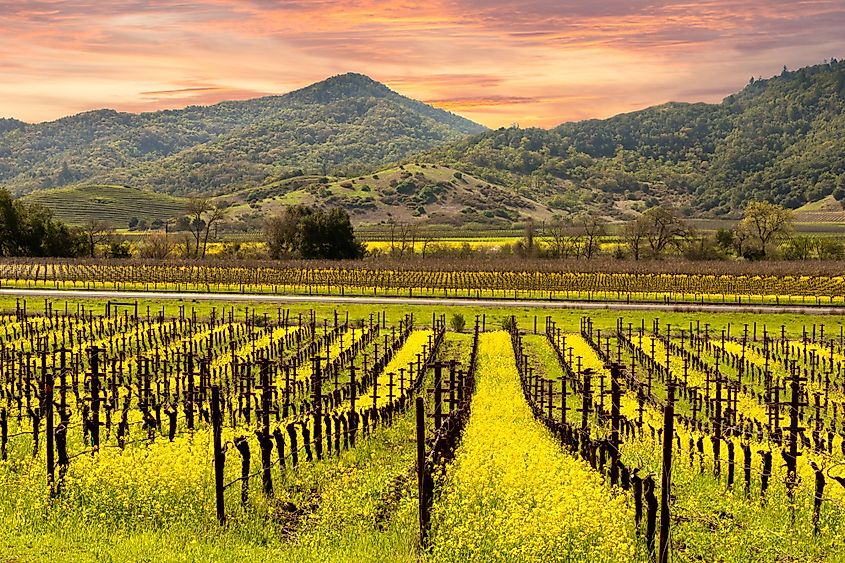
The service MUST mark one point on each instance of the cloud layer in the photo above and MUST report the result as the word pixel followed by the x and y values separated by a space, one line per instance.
pixel 534 62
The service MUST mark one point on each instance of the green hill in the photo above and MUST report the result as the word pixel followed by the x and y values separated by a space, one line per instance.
pixel 406 194
pixel 348 122
pixel 781 140
pixel 338 142
pixel 77 205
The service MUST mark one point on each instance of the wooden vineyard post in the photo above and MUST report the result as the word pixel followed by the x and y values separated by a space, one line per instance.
pixel 48 413
pixel 586 401
pixel 452 387
pixel 95 398
pixel 219 456
pixel 353 388
pixel 264 440
pixel 189 399
pixel 615 422
pixel 791 457
pixel 317 387
pixel 375 377
pixel 666 477
pixel 717 423
pixel 423 478
pixel 286 407
pixel 4 433
pixel 438 396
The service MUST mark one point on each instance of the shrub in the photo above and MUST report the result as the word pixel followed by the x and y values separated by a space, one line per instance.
pixel 457 322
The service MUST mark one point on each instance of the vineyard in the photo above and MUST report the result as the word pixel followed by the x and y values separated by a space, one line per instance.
pixel 693 285
pixel 320 435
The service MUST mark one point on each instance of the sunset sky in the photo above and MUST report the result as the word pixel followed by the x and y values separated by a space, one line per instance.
pixel 498 62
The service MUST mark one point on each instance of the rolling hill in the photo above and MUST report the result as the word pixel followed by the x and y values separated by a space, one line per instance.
pixel 342 124
pixel 405 193
pixel 352 142
pixel 781 139
pixel 116 205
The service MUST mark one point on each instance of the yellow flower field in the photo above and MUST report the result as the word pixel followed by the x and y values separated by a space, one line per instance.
pixel 512 494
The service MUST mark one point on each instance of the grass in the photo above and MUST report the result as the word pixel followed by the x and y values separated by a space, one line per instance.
pixel 116 204
pixel 512 494
pixel 492 465
pixel 358 513
pixel 349 488
pixel 566 319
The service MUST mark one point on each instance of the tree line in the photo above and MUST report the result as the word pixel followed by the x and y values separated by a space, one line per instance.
pixel 765 231
pixel 297 232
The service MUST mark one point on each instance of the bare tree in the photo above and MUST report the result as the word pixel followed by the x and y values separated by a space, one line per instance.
pixel 663 226
pixel 215 215
pixel 635 232
pixel 530 232
pixel 593 228
pixel 426 240
pixel 202 215
pixel 558 234
pixel 96 231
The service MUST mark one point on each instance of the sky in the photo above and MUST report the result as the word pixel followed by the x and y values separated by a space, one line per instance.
pixel 498 62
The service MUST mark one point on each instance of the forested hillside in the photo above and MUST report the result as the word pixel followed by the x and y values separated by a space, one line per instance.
pixel 781 139
pixel 345 123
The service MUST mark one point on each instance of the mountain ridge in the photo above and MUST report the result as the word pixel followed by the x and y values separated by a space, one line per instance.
pixel 780 139
pixel 90 145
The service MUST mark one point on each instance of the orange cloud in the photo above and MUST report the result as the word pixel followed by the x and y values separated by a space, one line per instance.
pixel 536 62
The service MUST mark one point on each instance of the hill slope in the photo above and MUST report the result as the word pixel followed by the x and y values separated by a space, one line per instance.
pixel 781 139
pixel 344 121
pixel 114 204
pixel 408 193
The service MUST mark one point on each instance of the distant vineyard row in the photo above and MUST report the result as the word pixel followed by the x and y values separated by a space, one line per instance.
pixel 379 280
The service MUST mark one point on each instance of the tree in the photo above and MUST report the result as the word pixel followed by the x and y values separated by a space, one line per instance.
pixel 798 248
pixel 157 246
pixel 215 215
pixel 202 215
pixel 662 226
pixel 282 231
pixel 829 249
pixel 304 232
pixel 31 230
pixel 458 322
pixel 96 232
pixel 725 239
pixel 563 243
pixel 120 249
pixel 530 248
pixel 635 232
pixel 593 229
pixel 764 223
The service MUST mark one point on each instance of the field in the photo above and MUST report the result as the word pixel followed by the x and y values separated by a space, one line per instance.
pixel 544 433
pixel 113 204
pixel 594 281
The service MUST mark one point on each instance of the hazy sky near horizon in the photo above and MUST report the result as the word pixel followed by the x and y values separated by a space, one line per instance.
pixel 498 62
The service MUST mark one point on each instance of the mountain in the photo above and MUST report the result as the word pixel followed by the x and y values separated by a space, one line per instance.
pixel 351 142
pixel 345 123
pixel 781 139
